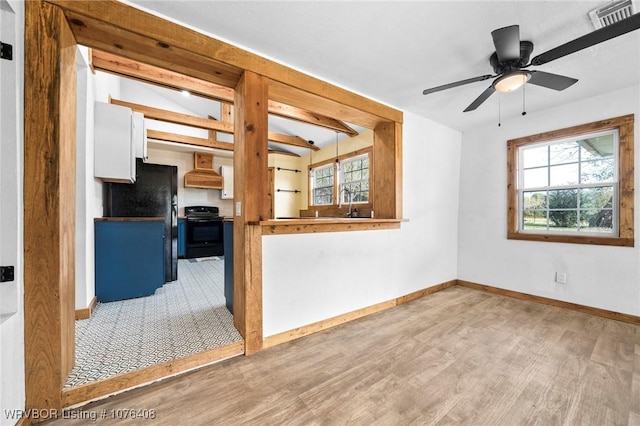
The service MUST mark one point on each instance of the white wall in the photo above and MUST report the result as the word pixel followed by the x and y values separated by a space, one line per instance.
pixel 12 390
pixel 88 188
pixel 599 276
pixel 311 277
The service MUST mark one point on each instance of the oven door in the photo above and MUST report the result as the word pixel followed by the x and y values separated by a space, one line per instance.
pixel 204 231
pixel 204 237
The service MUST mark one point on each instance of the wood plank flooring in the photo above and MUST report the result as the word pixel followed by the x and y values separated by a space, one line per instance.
pixel 459 356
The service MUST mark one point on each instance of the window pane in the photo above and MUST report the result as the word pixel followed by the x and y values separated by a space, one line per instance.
pixel 535 178
pixel 563 199
pixel 534 220
pixel 534 200
pixel 563 175
pixel 535 157
pixel 597 171
pixel 596 220
pixel 323 196
pixel 565 152
pixel 597 148
pixel 563 220
pixel 596 198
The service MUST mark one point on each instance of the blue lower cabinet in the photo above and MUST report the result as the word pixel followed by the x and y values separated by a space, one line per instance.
pixel 129 258
pixel 182 238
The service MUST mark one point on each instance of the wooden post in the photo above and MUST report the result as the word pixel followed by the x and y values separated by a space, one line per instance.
pixel 250 205
pixel 387 170
pixel 49 203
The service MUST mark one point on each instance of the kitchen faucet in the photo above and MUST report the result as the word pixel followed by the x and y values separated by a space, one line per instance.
pixel 349 194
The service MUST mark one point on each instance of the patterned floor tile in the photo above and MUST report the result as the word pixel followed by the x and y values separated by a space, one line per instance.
pixel 182 318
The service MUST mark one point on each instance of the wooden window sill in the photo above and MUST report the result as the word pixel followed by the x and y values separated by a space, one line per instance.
pixel 573 239
pixel 325 224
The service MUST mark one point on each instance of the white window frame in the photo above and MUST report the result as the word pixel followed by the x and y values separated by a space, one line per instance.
pixel 614 183
pixel 342 181
pixel 313 187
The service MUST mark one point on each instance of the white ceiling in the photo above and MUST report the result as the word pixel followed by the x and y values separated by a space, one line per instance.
pixel 392 50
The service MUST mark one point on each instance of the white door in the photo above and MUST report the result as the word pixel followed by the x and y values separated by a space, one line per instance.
pixel 10 164
pixel 12 366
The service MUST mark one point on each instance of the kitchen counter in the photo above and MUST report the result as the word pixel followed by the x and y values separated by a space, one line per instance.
pixel 325 224
pixel 128 219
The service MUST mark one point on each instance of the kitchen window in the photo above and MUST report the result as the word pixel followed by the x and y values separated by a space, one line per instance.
pixel 573 185
pixel 323 185
pixel 354 174
pixel 343 179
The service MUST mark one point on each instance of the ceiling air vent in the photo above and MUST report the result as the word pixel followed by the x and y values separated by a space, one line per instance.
pixel 611 13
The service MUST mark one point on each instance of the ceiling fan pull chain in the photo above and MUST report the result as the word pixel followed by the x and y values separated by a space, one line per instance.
pixel 499 119
pixel 523 109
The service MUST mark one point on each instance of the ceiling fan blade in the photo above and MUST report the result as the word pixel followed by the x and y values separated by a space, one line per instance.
pixel 480 99
pixel 551 81
pixel 456 84
pixel 629 24
pixel 507 43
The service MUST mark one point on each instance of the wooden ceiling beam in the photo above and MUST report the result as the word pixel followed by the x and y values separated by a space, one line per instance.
pixel 97 34
pixel 291 140
pixel 294 113
pixel 129 68
pixel 189 140
pixel 276 151
pixel 176 117
pixel 207 143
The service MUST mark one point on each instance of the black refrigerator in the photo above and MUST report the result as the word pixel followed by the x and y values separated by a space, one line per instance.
pixel 154 194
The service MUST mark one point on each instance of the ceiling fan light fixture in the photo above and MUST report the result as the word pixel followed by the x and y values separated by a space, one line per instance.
pixel 512 81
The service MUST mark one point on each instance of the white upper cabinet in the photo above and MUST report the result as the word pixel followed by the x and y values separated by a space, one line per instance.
pixel 226 193
pixel 140 136
pixel 114 153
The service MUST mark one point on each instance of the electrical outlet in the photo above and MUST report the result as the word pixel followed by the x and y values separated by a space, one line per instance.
pixel 561 277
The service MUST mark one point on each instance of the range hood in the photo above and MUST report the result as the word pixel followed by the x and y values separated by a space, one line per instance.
pixel 203 176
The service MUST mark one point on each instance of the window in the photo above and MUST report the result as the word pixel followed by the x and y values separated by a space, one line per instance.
pixel 323 183
pixel 573 185
pixel 353 180
pixel 354 174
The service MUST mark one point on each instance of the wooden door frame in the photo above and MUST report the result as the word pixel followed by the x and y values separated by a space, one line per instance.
pixel 52 30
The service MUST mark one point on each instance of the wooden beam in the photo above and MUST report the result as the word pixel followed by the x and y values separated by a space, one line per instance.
pixel 128 68
pixel 291 140
pixel 105 33
pixel 278 152
pixel 176 117
pixel 49 205
pixel 387 171
pixel 107 25
pixel 250 187
pixel 304 116
pixel 188 140
pixel 226 112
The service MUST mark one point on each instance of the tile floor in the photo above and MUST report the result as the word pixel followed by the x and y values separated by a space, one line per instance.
pixel 182 318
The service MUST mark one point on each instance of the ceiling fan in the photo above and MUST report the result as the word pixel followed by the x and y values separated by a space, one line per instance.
pixel 512 57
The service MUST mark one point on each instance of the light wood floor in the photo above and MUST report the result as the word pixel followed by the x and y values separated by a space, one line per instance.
pixel 459 356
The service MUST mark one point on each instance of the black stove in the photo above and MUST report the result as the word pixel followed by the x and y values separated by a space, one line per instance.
pixel 204 231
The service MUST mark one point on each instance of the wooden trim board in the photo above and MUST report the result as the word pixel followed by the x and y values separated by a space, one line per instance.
pixel 117 384
pixel 425 292
pixel 306 330
pixel 631 319
pixel 88 311
pixel 315 327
